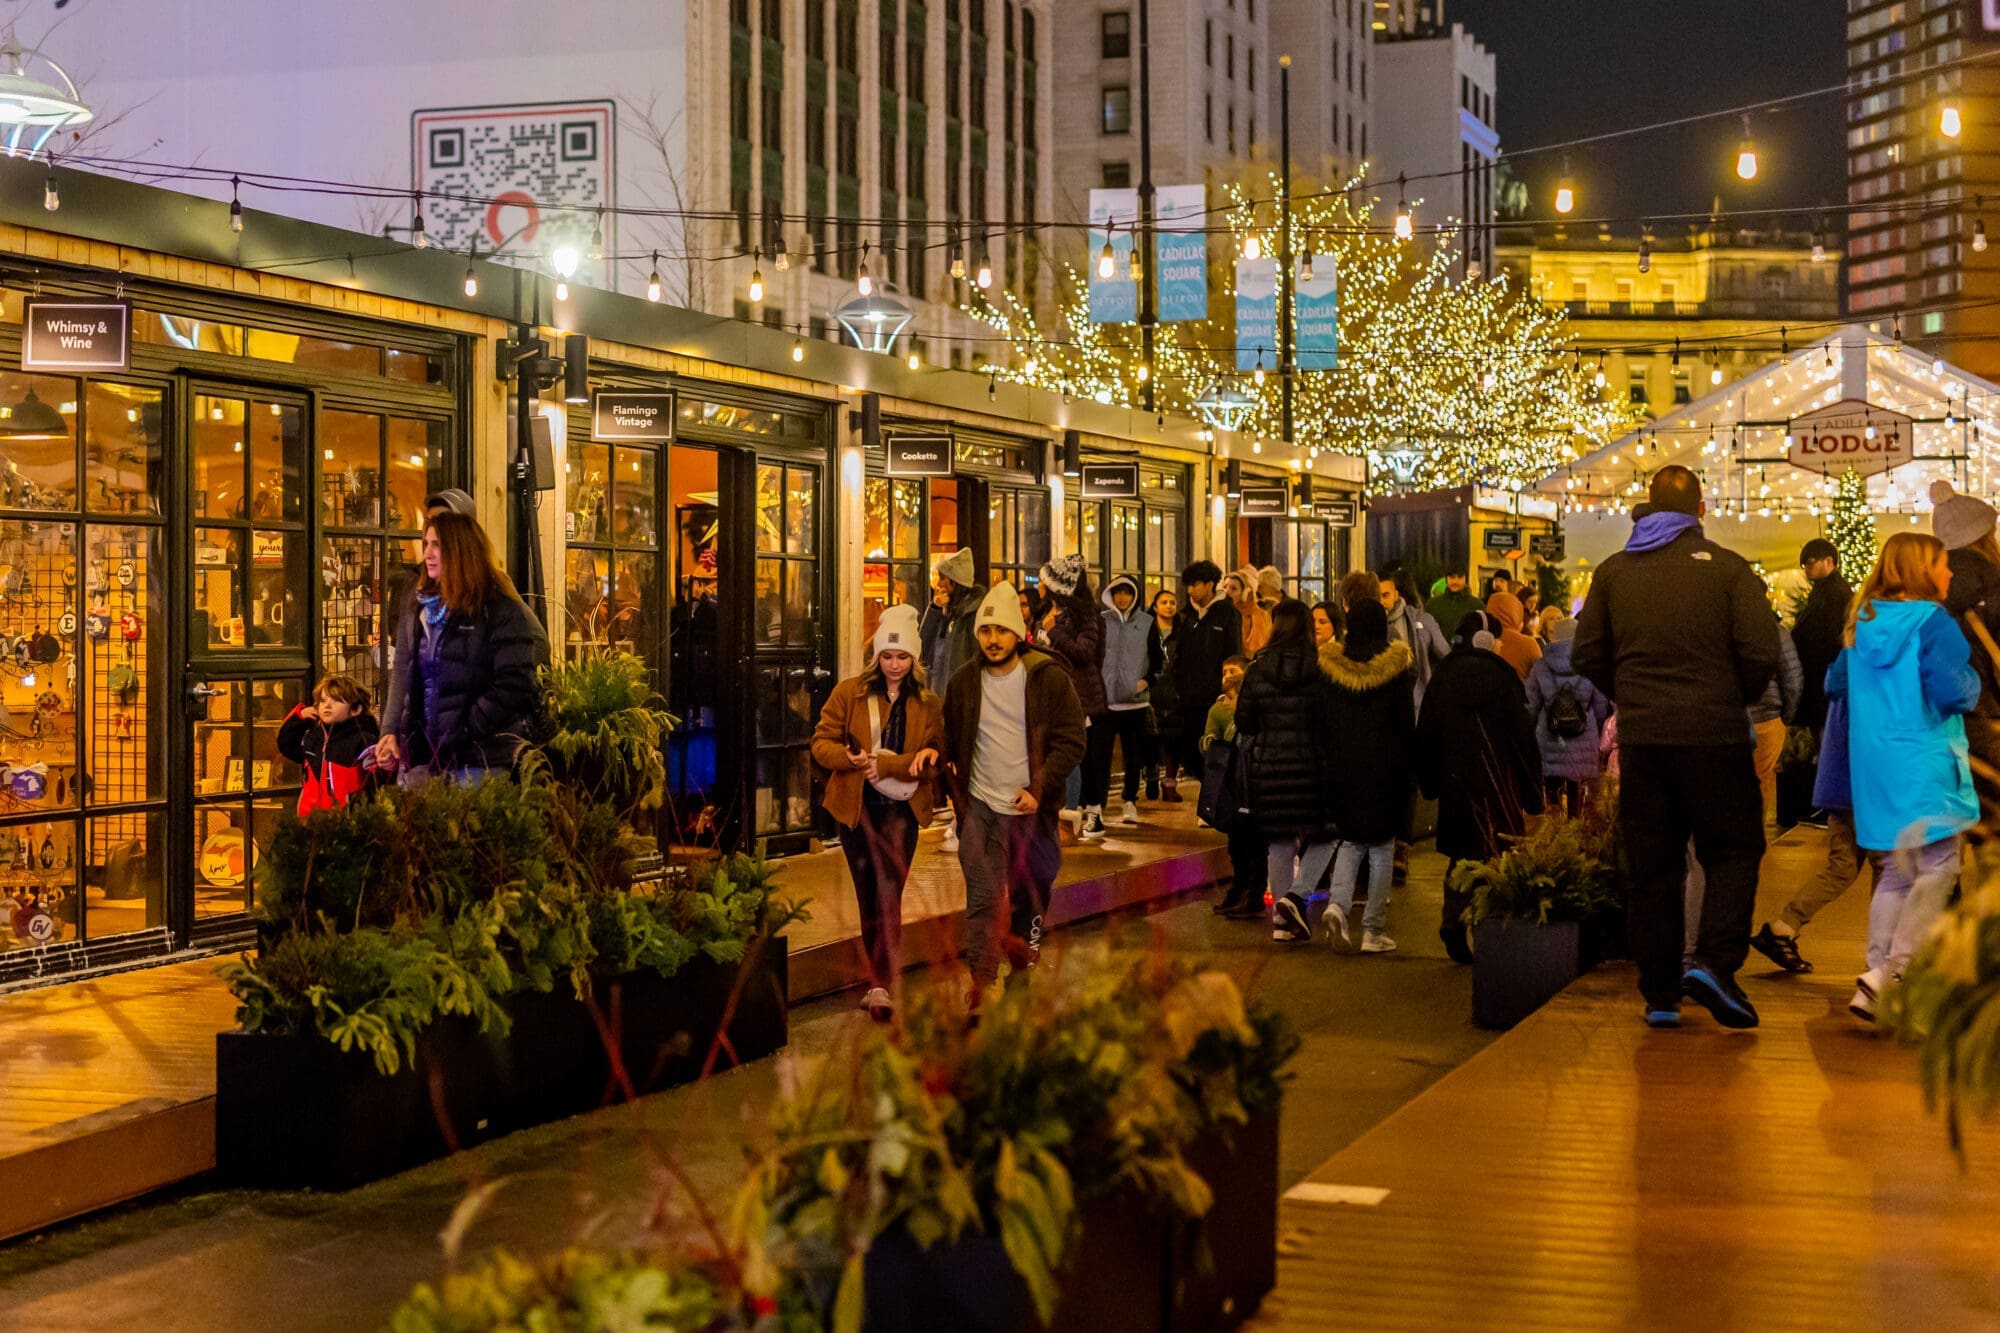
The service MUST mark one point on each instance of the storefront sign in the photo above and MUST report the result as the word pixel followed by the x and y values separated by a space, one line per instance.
pixel 1982 18
pixel 1114 218
pixel 1339 510
pixel 1265 502
pixel 1181 248
pixel 1256 314
pixel 76 335
pixel 1503 539
pixel 632 414
pixel 1850 436
pixel 1110 481
pixel 1546 546
pixel 918 455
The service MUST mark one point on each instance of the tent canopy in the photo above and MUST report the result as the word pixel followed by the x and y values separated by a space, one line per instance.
pixel 1747 441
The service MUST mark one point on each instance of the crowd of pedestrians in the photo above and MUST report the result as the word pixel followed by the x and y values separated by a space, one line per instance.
pixel 1314 729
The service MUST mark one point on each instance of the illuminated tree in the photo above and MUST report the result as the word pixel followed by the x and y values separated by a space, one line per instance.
pixel 1441 381
pixel 1851 528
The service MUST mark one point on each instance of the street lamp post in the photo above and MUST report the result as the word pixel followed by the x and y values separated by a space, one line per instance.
pixel 1285 367
pixel 1148 312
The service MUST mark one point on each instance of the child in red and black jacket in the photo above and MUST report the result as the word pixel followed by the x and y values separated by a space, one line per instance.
pixel 330 736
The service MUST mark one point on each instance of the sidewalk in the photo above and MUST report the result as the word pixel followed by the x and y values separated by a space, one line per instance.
pixel 1585 1172
pixel 107 1086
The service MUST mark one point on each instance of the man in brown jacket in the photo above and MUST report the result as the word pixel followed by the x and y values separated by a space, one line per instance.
pixel 1013 730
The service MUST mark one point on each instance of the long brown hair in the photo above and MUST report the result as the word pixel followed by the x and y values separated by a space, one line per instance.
pixel 1902 573
pixel 467 574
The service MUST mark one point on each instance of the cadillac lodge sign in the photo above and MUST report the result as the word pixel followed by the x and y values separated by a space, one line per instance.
pixel 1851 435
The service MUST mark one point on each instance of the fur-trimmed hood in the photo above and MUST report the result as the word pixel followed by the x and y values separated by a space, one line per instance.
pixel 1361 677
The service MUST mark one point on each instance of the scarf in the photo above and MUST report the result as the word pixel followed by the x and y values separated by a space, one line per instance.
pixel 1659 528
pixel 431 607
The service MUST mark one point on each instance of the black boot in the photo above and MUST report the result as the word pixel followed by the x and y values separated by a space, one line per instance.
pixel 1456 943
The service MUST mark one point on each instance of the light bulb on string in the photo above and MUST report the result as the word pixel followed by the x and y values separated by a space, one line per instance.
pixel 653 288
pixel 1143 373
pixel 471 279
pixel 235 206
pixel 1949 123
pixel 1258 373
pixel 418 236
pixel 1978 227
pixel 1253 246
pixel 597 234
pixel 756 276
pixel 1306 266
pixel 1818 242
pixel 1406 226
pixel 983 279
pixel 1746 153
pixel 1715 373
pixel 782 261
pixel 862 282
pixel 798 345
pixel 957 259
pixel 1565 190
pixel 915 361
pixel 562 289
pixel 1107 260
pixel 51 200
pixel 1645 253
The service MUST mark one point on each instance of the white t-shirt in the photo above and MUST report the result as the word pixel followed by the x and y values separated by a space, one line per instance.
pixel 1000 753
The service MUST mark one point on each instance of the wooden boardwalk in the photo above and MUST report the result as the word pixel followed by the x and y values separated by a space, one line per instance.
pixel 1584 1172
pixel 107 1086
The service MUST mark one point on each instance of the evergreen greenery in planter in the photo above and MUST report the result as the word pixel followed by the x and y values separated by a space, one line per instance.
pixel 1072 1086
pixel 1562 869
pixel 606 730
pixel 1949 1003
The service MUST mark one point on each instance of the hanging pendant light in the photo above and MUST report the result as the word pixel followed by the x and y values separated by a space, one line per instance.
pixel 1746 153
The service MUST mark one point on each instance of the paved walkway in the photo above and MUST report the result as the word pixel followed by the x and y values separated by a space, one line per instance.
pixel 1586 1173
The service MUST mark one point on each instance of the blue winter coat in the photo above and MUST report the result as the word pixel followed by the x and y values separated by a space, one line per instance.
pixel 1906 680
pixel 1573 758
pixel 1131 649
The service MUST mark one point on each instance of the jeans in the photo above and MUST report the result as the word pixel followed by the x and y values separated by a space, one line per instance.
pixel 878 850
pixel 1126 728
pixel 1843 863
pixel 1380 858
pixel 1910 891
pixel 1010 858
pixel 1295 869
pixel 1668 794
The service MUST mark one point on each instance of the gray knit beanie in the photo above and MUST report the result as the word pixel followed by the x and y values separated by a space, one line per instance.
pixel 1958 520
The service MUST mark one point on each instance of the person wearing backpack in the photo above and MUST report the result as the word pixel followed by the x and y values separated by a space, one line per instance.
pixel 1569 714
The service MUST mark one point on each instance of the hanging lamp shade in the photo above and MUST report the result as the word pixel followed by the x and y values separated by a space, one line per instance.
pixel 37 98
pixel 875 320
pixel 33 419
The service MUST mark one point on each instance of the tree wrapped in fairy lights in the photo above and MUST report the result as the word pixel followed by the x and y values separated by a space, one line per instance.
pixel 1850 526
pixel 1441 381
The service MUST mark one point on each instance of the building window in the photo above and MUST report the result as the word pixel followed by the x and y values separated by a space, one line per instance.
pixel 913 68
pixel 816 137
pixel 1232 129
pixel 774 20
pixel 1117 111
pixel 816 29
pixel 1229 55
pixel 1117 175
pixel 773 99
pixel 1027 36
pixel 1115 35
pixel 1208 43
pixel 847 39
pixel 847 146
pixel 1208 116
pixel 1683 393
pixel 1250 67
pixel 1579 289
pixel 739 105
pixel 1636 390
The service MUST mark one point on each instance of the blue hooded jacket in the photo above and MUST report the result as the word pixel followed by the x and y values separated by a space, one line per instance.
pixel 1906 681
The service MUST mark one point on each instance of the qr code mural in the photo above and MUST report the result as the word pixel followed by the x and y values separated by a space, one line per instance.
pixel 521 179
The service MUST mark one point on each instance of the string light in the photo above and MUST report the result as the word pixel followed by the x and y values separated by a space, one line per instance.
pixel 1818 243
pixel 1645 253
pixel 1949 124
pixel 1406 226
pixel 1107 262
pixel 916 359
pixel 653 287
pixel 798 344
pixel 472 275
pixel 418 236
pixel 984 278
pixel 783 259
pixel 863 283
pixel 1746 153
pixel 1253 247
pixel 757 277
pixel 597 234
pixel 1258 374
pixel 235 206
pixel 1565 190
pixel 1306 267
pixel 50 199
pixel 1978 225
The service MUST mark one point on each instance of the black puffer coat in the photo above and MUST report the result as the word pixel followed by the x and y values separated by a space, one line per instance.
pixel 1077 639
pixel 1975 594
pixel 1373 717
pixel 1283 716
pixel 1476 753
pixel 472 702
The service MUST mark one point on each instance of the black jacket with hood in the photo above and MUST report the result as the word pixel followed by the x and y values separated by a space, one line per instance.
pixel 1206 639
pixel 1476 753
pixel 1819 635
pixel 1373 716
pixel 1283 717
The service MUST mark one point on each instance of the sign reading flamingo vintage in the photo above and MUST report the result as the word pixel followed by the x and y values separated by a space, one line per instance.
pixel 1848 435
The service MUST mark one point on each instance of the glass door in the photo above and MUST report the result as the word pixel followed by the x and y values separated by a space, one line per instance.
pixel 248 629
pixel 787 679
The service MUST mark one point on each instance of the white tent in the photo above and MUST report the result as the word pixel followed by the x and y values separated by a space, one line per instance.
pixel 1769 479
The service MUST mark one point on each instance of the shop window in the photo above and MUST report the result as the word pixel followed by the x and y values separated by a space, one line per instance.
pixel 327 356
pixel 612 580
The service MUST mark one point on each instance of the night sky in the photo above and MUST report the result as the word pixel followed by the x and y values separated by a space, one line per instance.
pixel 1572 68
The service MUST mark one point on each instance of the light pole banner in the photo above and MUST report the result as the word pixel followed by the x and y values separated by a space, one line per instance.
pixel 1256 313
pixel 1316 304
pixel 1113 216
pixel 1182 250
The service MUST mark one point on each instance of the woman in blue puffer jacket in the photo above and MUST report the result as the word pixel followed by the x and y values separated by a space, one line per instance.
pixel 1907 679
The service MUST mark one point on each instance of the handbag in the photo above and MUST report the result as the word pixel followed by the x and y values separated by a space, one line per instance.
pixel 896 789
pixel 1221 803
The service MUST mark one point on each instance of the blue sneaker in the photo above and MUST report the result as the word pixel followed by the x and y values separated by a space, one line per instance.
pixel 1720 995
pixel 1663 1018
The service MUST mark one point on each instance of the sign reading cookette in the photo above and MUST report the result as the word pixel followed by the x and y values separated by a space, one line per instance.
pixel 632 414
pixel 1850 435
pixel 918 455
pixel 76 335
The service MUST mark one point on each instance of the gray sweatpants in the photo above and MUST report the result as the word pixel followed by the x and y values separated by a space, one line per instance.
pixel 1008 860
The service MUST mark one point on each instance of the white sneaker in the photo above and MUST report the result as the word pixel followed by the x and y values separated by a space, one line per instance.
pixel 1867 988
pixel 1334 918
pixel 878 1004
pixel 1129 814
pixel 1375 941
pixel 951 836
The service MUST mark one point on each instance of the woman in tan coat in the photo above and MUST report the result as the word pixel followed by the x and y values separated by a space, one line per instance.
pixel 878 740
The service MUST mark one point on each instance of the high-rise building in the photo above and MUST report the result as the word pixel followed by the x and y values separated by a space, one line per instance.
pixel 742 130
pixel 1915 190
pixel 1433 111
pixel 1215 85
